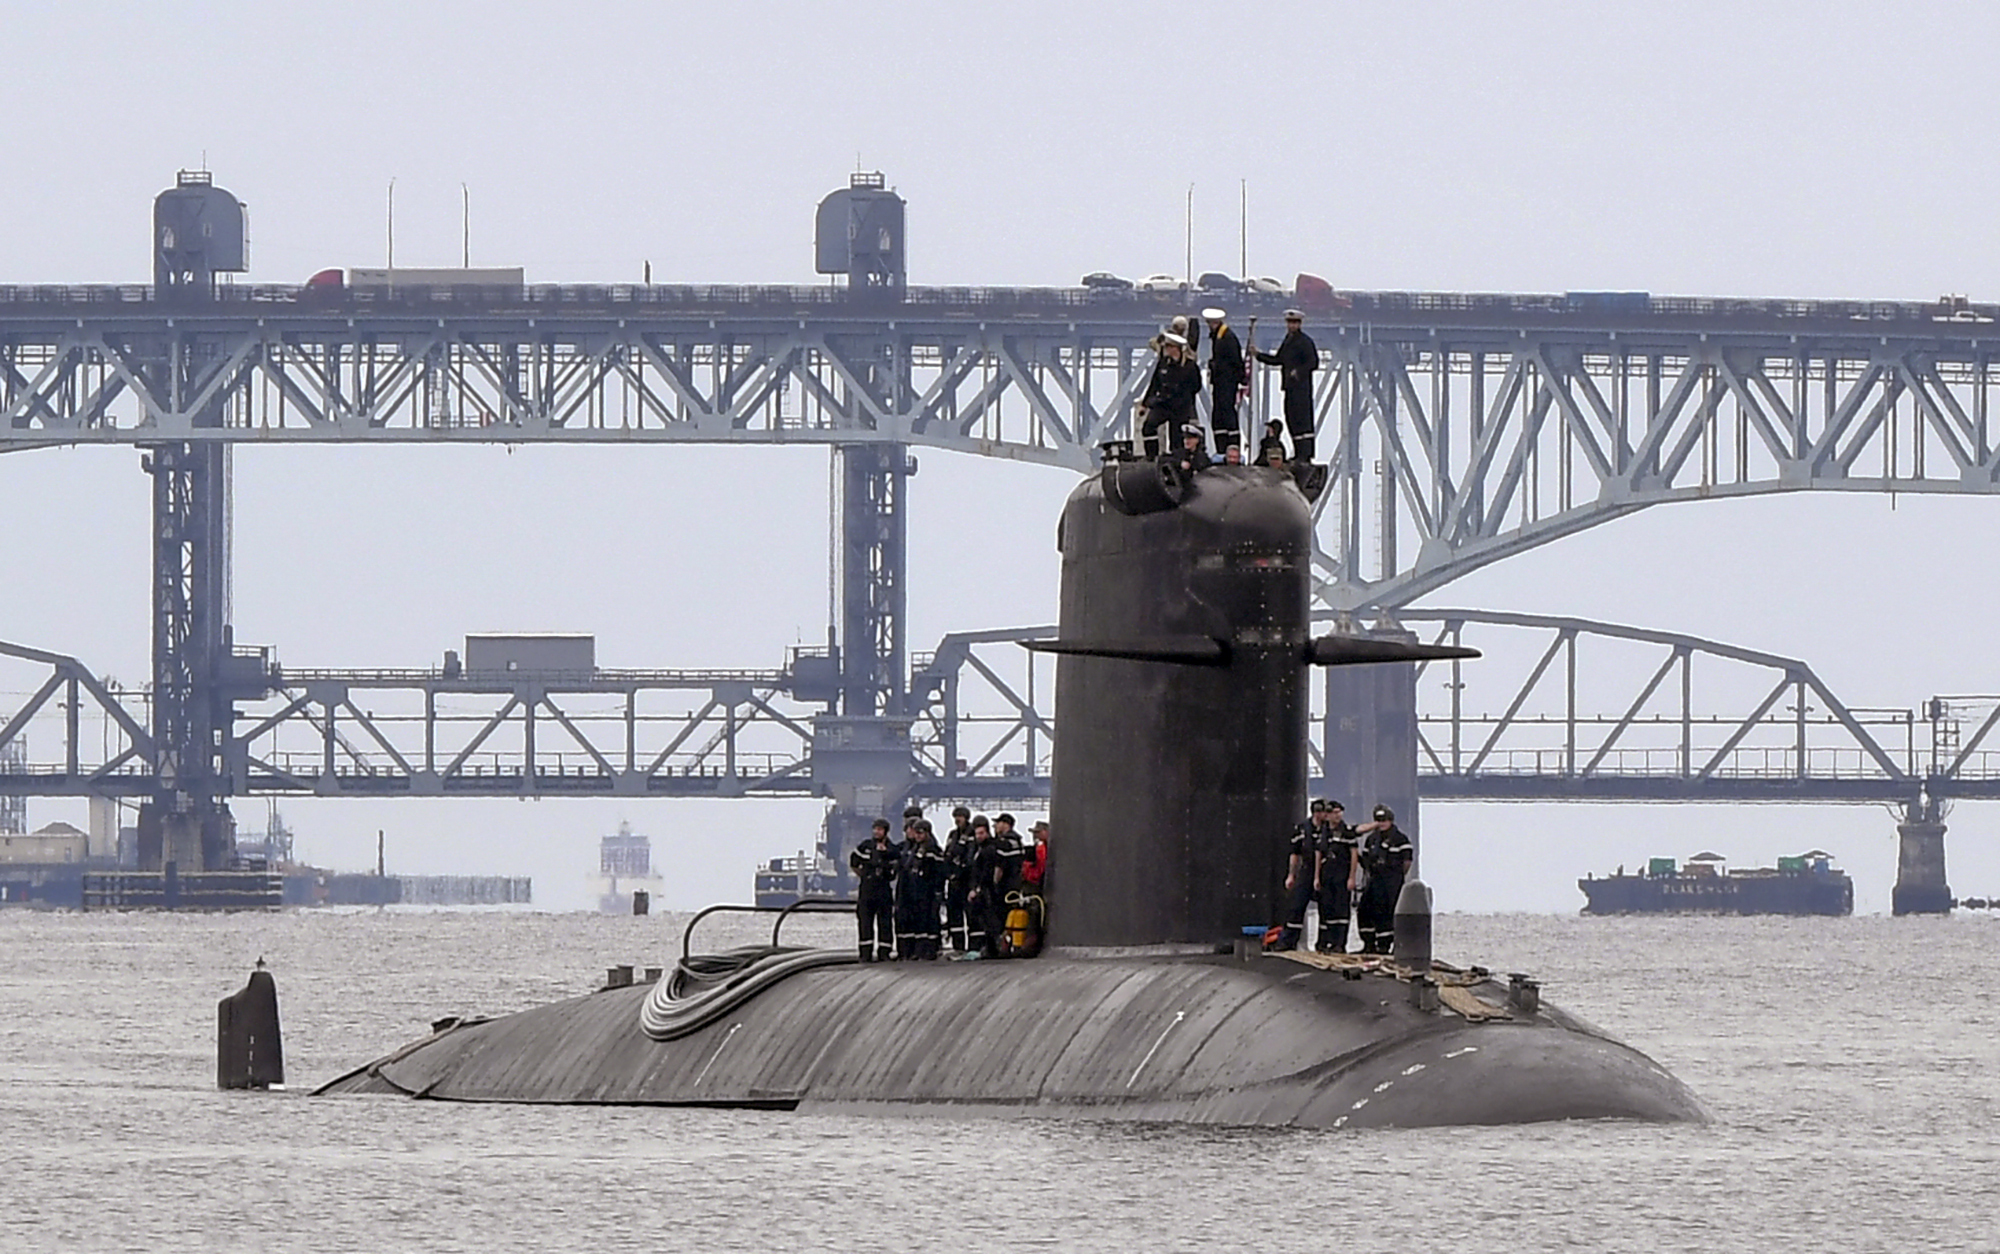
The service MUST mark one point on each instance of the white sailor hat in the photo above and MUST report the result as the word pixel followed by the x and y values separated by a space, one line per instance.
pixel 1175 337
pixel 1213 314
pixel 1293 315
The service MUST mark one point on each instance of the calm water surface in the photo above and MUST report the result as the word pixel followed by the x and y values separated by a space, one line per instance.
pixel 1851 1066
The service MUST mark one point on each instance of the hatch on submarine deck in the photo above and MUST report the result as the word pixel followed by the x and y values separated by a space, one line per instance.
pixel 1183 652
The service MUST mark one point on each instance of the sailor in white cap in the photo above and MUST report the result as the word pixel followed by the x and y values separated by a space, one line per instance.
pixel 1169 399
pixel 1227 376
pixel 1297 357
pixel 1179 326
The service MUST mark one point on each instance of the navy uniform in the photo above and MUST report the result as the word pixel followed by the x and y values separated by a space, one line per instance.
pixel 1194 456
pixel 957 878
pixel 1226 373
pixel 1013 855
pixel 996 873
pixel 1296 359
pixel 1169 399
pixel 1337 850
pixel 981 924
pixel 1273 442
pixel 875 864
pixel 919 879
pixel 1386 855
pixel 1300 857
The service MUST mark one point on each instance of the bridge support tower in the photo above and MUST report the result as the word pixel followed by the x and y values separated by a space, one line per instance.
pixel 1369 736
pixel 198 232
pixel 186 821
pixel 861 756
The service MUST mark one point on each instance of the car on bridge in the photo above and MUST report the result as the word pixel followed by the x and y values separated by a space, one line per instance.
pixel 1217 281
pixel 1105 281
pixel 1163 283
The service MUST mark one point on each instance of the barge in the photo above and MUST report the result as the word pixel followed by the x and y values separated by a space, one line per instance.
pixel 1808 883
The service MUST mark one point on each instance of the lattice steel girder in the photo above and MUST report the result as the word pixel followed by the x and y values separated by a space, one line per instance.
pixel 1025 390
pixel 978 709
pixel 123 741
pixel 1712 791
pixel 1461 428
pixel 1694 718
pixel 619 733
pixel 1676 718
pixel 193 748
pixel 1454 449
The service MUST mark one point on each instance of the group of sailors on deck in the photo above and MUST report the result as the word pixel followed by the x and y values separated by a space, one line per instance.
pixel 1167 419
pixel 981 878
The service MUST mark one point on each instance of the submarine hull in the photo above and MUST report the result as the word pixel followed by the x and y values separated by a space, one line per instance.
pixel 1213 1040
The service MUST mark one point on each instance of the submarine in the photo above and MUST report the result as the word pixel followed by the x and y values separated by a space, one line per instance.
pixel 1183 649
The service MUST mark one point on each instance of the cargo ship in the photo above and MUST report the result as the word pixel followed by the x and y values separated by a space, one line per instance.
pixel 781 882
pixel 1806 884
pixel 784 881
pixel 307 885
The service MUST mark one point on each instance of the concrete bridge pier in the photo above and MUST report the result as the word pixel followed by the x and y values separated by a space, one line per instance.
pixel 1370 735
pixel 1920 881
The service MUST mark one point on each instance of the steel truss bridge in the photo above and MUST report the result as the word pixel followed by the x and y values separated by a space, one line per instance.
pixel 1567 709
pixel 1458 428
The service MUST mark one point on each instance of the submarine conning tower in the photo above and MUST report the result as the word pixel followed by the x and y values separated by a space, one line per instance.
pixel 1177 780
pixel 1184 642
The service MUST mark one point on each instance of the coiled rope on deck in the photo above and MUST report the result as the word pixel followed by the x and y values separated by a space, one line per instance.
pixel 705 987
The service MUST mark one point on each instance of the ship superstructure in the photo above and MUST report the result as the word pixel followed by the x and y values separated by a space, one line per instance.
pixel 624 866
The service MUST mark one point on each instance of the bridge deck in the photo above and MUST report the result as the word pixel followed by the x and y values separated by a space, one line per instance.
pixel 556 307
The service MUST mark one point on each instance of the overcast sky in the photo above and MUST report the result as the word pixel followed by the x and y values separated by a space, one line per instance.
pixel 1768 149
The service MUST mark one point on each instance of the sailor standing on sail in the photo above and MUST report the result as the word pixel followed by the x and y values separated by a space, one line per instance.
pixel 1170 395
pixel 1226 377
pixel 874 865
pixel 1297 357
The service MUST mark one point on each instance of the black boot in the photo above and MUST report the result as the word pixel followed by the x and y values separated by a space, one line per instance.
pixel 1333 938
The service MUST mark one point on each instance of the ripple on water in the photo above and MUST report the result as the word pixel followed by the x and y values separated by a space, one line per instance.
pixel 1850 1064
